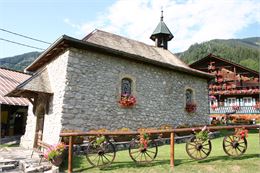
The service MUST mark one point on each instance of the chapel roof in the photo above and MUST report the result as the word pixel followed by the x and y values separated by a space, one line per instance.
pixel 134 47
pixel 9 79
pixel 105 42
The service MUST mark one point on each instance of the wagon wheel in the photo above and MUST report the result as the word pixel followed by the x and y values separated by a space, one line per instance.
pixel 198 149
pixel 140 154
pixel 234 145
pixel 100 155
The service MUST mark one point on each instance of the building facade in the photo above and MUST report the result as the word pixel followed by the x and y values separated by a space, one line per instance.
pixel 13 110
pixel 82 84
pixel 234 89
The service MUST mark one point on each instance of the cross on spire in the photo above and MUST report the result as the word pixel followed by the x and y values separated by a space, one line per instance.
pixel 162 15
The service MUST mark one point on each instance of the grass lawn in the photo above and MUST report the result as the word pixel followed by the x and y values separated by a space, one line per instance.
pixel 9 145
pixel 217 162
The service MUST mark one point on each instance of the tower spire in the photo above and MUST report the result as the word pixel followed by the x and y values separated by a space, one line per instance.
pixel 162 15
pixel 161 34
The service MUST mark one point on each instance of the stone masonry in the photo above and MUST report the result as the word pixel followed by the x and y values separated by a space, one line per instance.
pixel 93 90
pixel 52 119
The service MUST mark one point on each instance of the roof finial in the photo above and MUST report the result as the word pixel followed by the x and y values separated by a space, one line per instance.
pixel 161 13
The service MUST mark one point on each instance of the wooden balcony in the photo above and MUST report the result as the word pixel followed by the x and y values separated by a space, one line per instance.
pixel 241 110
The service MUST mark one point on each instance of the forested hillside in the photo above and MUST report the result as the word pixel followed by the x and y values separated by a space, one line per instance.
pixel 19 62
pixel 245 52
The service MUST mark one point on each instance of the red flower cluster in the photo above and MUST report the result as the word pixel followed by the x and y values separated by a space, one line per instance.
pixel 241 132
pixel 213 107
pixel 191 107
pixel 257 106
pixel 127 100
pixel 236 107
pixel 144 141
pixel 215 91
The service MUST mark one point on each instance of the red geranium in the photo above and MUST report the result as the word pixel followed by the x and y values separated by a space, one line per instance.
pixel 241 132
pixel 213 107
pixel 127 100
pixel 257 106
pixel 236 107
pixel 191 107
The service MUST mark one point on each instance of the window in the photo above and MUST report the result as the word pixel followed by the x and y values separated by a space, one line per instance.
pixel 231 101
pixel 247 101
pixel 126 86
pixel 189 96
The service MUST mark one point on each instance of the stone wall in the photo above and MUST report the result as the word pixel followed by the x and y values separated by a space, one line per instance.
pixel 57 76
pixel 93 90
pixel 52 119
pixel 27 139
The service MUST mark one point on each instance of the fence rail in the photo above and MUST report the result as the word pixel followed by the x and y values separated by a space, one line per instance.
pixel 171 132
pixel 240 110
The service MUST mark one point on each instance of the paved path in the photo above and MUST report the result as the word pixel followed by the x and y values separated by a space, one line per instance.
pixel 21 156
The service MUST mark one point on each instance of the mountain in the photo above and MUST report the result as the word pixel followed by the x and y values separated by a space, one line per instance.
pixel 19 62
pixel 245 52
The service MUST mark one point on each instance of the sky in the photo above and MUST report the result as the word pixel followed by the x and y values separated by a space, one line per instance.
pixel 191 21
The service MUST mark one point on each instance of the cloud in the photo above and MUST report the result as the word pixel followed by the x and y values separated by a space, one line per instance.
pixel 190 21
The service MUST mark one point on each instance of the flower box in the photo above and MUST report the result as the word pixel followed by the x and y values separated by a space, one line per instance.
pixel 55 154
pixel 127 100
pixel 191 107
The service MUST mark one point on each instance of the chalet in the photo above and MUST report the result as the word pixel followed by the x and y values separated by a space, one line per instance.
pixel 234 88
pixel 13 110
pixel 109 81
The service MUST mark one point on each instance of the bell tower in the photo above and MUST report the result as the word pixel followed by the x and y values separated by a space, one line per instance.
pixel 161 34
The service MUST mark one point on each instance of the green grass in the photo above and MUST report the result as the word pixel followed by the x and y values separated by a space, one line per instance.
pixel 217 162
pixel 9 145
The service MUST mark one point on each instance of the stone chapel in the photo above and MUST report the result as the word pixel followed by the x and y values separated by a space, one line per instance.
pixel 79 84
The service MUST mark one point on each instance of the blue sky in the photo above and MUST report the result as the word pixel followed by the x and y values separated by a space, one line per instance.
pixel 189 21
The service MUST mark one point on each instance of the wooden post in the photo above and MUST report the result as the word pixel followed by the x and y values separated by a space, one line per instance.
pixel 172 151
pixel 70 159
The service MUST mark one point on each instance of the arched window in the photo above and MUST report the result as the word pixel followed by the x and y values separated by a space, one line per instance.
pixel 189 96
pixel 126 86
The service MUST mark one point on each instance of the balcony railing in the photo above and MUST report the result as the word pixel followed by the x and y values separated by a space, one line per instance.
pixel 240 110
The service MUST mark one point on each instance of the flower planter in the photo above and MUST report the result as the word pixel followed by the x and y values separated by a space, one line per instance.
pixel 57 161
pixel 55 153
pixel 127 101
pixel 191 107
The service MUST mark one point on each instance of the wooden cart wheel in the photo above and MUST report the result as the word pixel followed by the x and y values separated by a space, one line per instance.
pixel 234 145
pixel 100 155
pixel 141 154
pixel 198 149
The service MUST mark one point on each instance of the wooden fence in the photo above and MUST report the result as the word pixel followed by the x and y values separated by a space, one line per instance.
pixel 171 132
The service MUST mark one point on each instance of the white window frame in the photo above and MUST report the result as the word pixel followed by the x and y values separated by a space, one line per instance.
pixel 247 103
pixel 233 101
